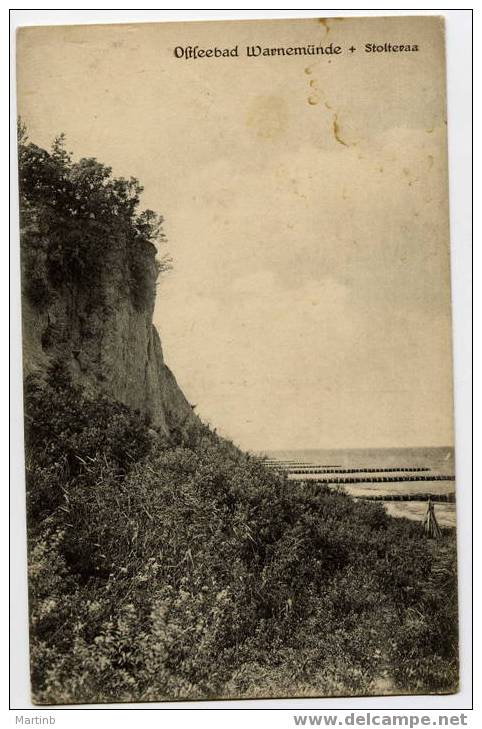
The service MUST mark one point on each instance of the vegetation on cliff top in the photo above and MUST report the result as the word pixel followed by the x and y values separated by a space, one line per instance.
pixel 72 215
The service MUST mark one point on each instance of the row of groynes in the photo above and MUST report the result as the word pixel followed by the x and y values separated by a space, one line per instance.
pixel 382 479
pixel 445 498
pixel 276 462
pixel 314 469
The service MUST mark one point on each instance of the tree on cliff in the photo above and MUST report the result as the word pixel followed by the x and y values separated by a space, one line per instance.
pixel 72 212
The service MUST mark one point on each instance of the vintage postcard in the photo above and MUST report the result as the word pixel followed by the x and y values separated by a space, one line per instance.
pixel 237 359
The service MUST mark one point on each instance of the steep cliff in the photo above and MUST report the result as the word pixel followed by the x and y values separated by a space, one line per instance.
pixel 89 272
pixel 114 349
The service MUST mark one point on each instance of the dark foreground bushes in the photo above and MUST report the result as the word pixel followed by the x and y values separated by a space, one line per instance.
pixel 161 571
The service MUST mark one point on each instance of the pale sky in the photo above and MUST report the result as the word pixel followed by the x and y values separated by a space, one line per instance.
pixel 306 211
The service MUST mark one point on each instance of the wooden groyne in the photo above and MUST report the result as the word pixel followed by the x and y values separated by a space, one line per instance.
pixel 296 464
pixel 313 469
pixel 381 479
pixel 445 498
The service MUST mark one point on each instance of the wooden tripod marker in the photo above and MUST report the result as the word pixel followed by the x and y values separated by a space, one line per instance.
pixel 430 525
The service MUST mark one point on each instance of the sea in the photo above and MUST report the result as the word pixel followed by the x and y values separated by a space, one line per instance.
pixel 440 459
pixel 373 464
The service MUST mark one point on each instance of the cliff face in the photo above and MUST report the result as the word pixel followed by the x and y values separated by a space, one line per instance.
pixel 104 336
pixel 89 274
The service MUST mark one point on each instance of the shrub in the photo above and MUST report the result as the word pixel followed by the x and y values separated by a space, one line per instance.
pixel 189 570
pixel 76 215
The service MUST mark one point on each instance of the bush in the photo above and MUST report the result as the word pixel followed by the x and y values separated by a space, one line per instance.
pixel 71 438
pixel 189 570
pixel 74 216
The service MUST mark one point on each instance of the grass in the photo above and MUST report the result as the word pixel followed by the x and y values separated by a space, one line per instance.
pixel 190 571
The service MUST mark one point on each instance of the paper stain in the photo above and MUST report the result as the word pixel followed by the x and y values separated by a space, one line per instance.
pixel 294 183
pixel 336 132
pixel 407 173
pixel 317 94
pixel 314 97
pixel 267 117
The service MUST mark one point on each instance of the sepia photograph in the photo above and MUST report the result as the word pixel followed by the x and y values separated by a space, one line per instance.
pixel 237 360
